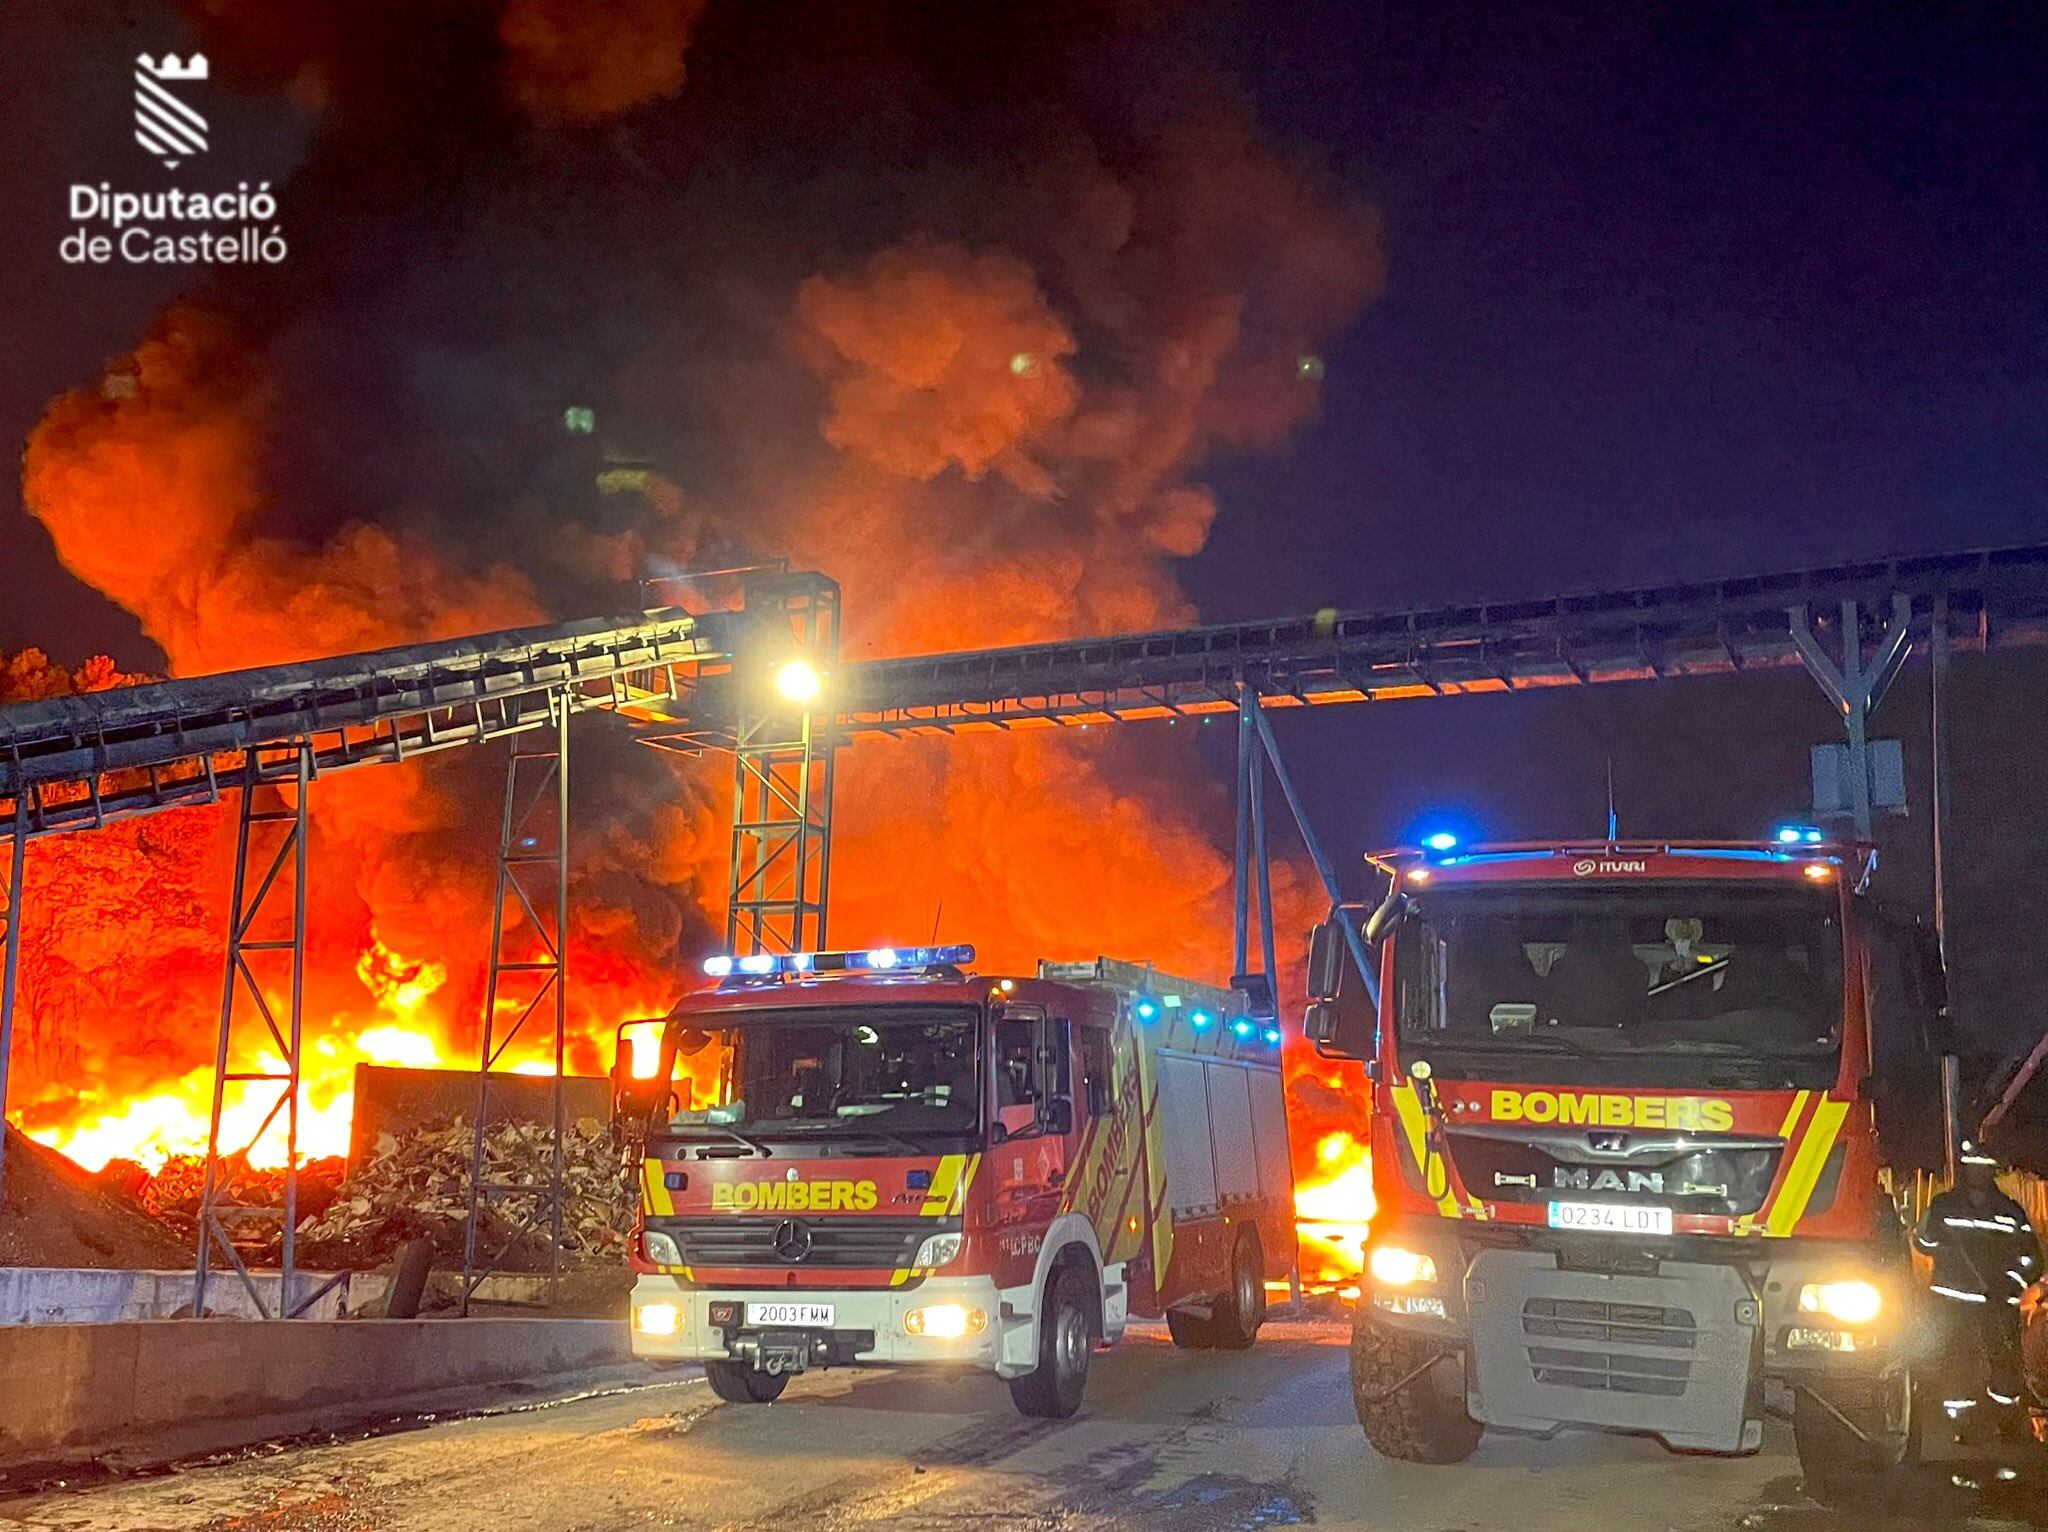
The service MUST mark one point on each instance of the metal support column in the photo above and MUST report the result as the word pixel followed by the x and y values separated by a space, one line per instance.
pixel 783 766
pixel 10 967
pixel 1346 917
pixel 1247 746
pixel 267 921
pixel 529 953
pixel 1856 684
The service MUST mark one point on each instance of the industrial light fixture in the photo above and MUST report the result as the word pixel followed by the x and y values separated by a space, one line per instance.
pixel 799 681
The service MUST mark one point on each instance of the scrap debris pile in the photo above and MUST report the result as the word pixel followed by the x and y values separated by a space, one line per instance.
pixel 417 1185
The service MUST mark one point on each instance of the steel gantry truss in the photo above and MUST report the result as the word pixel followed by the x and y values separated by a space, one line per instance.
pixel 1721 627
pixel 529 965
pixel 266 924
pixel 783 764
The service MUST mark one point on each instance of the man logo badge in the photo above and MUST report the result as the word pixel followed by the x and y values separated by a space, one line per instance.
pixel 792 1240
pixel 165 125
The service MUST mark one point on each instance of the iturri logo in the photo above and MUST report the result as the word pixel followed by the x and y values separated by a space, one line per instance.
pixel 168 126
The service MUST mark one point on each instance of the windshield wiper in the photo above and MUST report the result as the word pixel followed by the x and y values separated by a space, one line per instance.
pixel 862 1130
pixel 690 1130
pixel 1491 1045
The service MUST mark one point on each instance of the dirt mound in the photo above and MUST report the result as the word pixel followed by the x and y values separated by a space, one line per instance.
pixel 55 1214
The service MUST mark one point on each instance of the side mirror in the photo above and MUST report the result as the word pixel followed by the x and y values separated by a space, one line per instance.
pixel 636 1093
pixel 1319 1022
pixel 1059 1116
pixel 1386 917
pixel 1325 961
pixel 633 1097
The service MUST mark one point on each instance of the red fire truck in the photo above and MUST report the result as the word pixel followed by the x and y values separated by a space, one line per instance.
pixel 883 1157
pixel 1626 1102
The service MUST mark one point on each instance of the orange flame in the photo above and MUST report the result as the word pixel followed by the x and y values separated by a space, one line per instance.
pixel 1333 1207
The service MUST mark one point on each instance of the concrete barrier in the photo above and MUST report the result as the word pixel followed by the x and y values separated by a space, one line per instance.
pixel 79 1295
pixel 72 1390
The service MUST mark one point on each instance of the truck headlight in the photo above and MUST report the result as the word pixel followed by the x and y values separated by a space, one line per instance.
pixel 1851 1303
pixel 661 1248
pixel 1394 1267
pixel 657 1319
pixel 945 1321
pixel 938 1250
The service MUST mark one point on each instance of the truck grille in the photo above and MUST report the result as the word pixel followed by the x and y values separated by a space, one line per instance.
pixel 1610 1372
pixel 1610 1324
pixel 1703 1179
pixel 871 1243
pixel 1632 1323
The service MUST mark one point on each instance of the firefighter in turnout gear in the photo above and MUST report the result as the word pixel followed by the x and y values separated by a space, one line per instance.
pixel 1985 1255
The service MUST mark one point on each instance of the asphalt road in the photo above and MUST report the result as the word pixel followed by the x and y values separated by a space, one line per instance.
pixel 1166 1439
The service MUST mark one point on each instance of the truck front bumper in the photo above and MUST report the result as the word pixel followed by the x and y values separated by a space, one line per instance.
pixel 673 1322
pixel 1680 1351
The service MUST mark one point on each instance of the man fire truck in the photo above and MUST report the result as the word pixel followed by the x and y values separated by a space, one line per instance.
pixel 883 1157
pixel 1625 1111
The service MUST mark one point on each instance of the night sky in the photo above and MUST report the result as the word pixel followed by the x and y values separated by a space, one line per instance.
pixel 1671 293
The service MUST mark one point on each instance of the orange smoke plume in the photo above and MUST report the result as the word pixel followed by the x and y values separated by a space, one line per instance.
pixel 988 423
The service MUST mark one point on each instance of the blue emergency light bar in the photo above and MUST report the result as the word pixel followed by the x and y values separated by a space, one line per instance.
pixel 761 965
pixel 1798 835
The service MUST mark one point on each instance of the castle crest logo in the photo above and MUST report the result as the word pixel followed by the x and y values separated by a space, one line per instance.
pixel 166 124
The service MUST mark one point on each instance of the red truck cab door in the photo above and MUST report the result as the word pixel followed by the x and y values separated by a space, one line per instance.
pixel 1036 1125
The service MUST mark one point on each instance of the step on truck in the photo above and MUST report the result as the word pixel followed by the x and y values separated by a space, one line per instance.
pixel 883 1157
pixel 1626 1102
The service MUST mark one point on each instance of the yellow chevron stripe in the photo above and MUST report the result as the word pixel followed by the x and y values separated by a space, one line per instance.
pixel 656 1202
pixel 1746 1223
pixel 1416 1127
pixel 1792 1117
pixel 938 1197
pixel 656 1198
pixel 1804 1175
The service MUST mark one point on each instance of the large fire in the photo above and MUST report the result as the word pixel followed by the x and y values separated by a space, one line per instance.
pixel 981 397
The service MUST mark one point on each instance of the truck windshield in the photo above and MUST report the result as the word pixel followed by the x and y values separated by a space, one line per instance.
pixel 900 1074
pixel 1698 985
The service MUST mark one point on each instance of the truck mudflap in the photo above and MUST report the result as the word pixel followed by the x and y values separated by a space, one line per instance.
pixel 1674 1355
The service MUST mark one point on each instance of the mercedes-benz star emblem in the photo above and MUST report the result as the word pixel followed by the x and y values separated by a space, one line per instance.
pixel 792 1239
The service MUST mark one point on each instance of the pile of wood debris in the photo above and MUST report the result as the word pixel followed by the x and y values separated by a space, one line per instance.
pixel 417 1185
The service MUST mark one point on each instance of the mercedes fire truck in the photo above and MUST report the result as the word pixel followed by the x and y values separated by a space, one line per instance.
pixel 1626 1102
pixel 884 1157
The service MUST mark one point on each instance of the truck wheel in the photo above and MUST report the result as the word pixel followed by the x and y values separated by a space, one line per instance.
pixel 1836 1461
pixel 1242 1309
pixel 1190 1332
pixel 1423 1419
pixel 738 1383
pixel 1066 1339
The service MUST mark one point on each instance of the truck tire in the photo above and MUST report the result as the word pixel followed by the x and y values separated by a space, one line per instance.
pixel 1421 1421
pixel 1835 1461
pixel 1066 1339
pixel 737 1383
pixel 1242 1309
pixel 1190 1332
